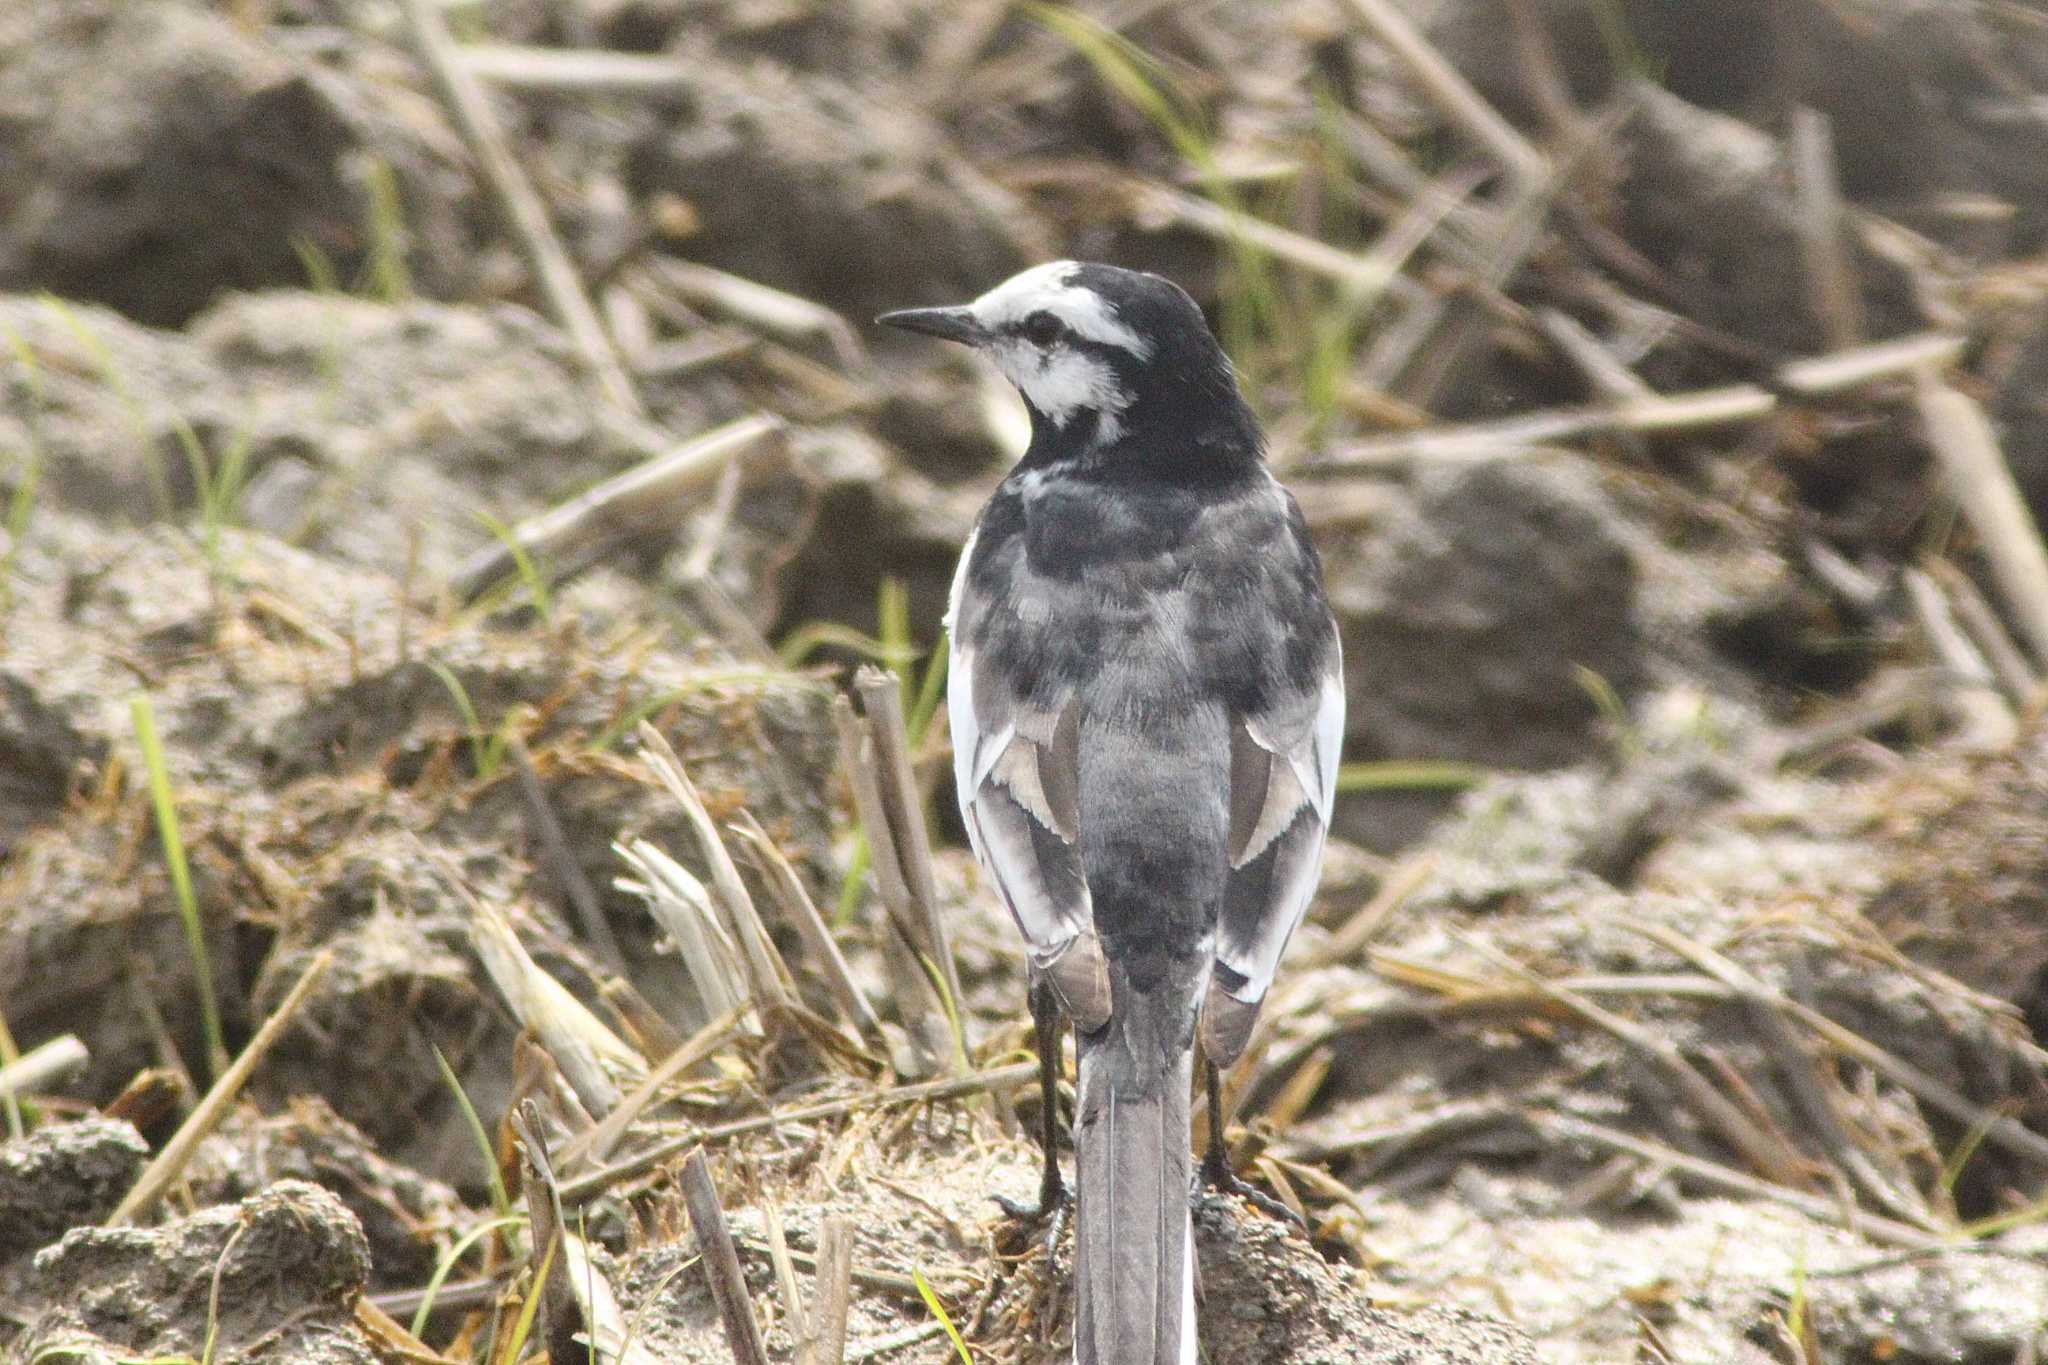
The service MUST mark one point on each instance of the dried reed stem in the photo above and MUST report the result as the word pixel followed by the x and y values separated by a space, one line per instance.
pixel 469 108
pixel 213 1107
pixel 721 1262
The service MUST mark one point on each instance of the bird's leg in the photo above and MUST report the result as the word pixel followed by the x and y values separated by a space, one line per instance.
pixel 1216 1172
pixel 1053 1196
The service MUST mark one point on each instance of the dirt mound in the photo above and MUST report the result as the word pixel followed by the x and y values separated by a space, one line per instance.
pixel 159 155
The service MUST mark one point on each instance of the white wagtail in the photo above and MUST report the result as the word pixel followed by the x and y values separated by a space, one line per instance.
pixel 1146 699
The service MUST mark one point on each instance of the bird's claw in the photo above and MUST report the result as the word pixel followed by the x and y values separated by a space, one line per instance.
pixel 1217 1175
pixel 1055 1202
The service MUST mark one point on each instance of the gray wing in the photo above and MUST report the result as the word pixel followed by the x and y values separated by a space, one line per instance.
pixel 1017 771
pixel 1283 783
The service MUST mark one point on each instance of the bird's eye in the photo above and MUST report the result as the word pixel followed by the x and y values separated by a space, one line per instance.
pixel 1042 329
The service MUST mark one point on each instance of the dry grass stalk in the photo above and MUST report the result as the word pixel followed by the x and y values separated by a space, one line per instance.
pixel 582 897
pixel 169 1061
pixel 834 1292
pixel 1416 358
pixel 1698 408
pixel 1813 1094
pixel 169 1164
pixel 1997 1128
pixel 1543 80
pixel 525 216
pixel 785 1274
pixel 581 71
pixel 1450 91
pixel 764 962
pixel 1607 376
pixel 864 768
pixel 644 498
pixel 1767 1151
pixel 1987 722
pixel 607 1330
pixel 454 1296
pixel 390 1339
pixel 1035 66
pixel 953 51
pixel 1422 219
pixel 589 1055
pixel 42 1065
pixel 1893 697
pixel 882 1281
pixel 1978 476
pixel 882 708
pixel 761 307
pixel 546 1228
pixel 650 1034
pixel 1365 277
pixel 1563 1128
pixel 895 1341
pixel 597 1143
pixel 2015 675
pixel 682 906
pixel 721 1263
pixel 803 914
pixel 1410 1134
pixel 952 1087
pixel 1351 937
pixel 1844 371
pixel 1823 240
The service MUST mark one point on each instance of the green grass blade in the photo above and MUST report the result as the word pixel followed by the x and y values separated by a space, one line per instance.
pixel 938 1310
pixel 386 278
pixel 453 1256
pixel 931 691
pixel 181 878
pixel 522 564
pixel 479 746
pixel 849 886
pixel 807 639
pixel 892 622
pixel 952 1009
pixel 523 1325
pixel 1423 774
pixel 1253 305
pixel 500 1199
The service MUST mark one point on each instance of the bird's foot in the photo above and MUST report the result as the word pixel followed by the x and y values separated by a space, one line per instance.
pixel 1216 1175
pixel 1048 1216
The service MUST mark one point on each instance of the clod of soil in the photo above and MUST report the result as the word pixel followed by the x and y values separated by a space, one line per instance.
pixel 273 1278
pixel 61 1176
pixel 1470 614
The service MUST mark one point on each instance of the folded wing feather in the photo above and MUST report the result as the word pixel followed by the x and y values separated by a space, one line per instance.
pixel 1017 770
pixel 1283 784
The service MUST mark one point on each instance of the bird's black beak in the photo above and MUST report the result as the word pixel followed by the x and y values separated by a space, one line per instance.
pixel 949 324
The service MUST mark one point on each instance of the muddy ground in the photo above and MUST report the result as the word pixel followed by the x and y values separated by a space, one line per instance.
pixel 1664 387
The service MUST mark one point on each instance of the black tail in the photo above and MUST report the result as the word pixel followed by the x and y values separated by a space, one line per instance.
pixel 1134 1287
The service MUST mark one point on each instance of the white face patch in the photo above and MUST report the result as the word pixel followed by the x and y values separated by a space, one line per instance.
pixel 1063 381
pixel 1059 381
